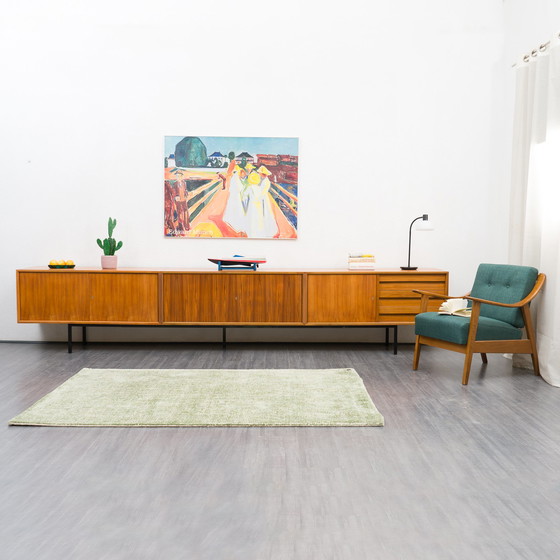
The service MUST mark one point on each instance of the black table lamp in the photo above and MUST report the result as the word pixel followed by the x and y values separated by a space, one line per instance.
pixel 426 226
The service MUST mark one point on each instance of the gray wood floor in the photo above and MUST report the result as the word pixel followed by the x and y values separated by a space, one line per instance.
pixel 457 472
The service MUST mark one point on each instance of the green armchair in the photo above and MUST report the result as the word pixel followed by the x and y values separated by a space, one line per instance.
pixel 500 299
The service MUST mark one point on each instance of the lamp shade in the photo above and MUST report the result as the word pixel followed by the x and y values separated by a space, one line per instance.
pixel 425 225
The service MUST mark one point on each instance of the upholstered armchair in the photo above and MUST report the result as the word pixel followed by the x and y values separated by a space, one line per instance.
pixel 500 299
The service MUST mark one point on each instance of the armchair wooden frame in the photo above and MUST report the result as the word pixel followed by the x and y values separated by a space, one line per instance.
pixel 519 346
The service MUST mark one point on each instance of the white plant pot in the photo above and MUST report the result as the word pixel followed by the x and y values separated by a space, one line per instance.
pixel 108 261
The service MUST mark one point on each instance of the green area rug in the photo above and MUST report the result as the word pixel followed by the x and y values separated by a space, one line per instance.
pixel 206 397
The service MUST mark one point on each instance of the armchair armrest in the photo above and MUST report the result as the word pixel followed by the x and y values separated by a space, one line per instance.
pixel 437 296
pixel 490 302
pixel 426 296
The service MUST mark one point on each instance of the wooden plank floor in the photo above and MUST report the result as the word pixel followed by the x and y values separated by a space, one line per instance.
pixel 457 472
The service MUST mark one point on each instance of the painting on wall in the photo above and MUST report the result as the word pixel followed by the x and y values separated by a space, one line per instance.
pixel 222 186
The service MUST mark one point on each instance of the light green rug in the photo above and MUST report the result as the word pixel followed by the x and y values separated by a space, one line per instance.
pixel 206 397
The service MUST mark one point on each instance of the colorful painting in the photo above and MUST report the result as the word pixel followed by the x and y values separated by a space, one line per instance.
pixel 221 186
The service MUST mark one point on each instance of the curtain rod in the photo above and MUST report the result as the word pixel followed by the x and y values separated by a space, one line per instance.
pixel 535 52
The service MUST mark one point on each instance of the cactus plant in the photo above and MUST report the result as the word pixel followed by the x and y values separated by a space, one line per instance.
pixel 109 245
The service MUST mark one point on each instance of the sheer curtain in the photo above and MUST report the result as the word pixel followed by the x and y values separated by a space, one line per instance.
pixel 535 192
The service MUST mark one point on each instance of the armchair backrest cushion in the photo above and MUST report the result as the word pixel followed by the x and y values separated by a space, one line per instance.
pixel 504 283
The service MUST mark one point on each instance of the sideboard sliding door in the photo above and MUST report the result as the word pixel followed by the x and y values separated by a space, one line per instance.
pixel 223 298
pixel 85 297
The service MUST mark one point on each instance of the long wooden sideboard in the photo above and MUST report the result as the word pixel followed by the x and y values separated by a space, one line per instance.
pixel 177 297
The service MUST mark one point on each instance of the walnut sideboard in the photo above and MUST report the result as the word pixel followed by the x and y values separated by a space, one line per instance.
pixel 183 297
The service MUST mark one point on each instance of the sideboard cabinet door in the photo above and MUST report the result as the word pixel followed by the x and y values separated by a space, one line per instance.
pixel 53 297
pixel 124 298
pixel 231 297
pixel 341 298
pixel 84 297
pixel 269 298
pixel 197 298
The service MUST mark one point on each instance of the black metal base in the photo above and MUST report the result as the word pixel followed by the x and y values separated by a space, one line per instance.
pixel 409 268
pixel 224 335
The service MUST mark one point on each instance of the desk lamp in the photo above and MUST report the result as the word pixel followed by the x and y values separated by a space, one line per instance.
pixel 425 225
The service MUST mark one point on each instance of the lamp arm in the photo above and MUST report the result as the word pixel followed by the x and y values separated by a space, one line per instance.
pixel 410 236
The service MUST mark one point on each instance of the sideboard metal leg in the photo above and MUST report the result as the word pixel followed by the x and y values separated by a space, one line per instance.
pixel 224 340
pixel 395 339
pixel 84 336
pixel 69 339
pixel 387 337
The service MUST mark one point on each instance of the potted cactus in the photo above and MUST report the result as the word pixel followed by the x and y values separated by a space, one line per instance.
pixel 109 246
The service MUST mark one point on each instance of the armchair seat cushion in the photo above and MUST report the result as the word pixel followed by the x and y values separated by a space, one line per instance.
pixel 456 329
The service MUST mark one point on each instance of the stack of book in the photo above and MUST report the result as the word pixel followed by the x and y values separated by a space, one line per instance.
pixel 360 261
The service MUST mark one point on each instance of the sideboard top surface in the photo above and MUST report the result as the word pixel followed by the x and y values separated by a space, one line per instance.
pixel 137 270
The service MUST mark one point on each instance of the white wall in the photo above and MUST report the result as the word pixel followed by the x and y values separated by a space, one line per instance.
pixel 409 95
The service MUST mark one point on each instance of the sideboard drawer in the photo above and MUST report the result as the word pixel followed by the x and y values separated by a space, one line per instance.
pixel 396 300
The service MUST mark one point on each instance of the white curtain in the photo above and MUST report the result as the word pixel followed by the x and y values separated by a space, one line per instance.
pixel 535 192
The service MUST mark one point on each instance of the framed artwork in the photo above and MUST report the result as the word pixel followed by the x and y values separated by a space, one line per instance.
pixel 228 186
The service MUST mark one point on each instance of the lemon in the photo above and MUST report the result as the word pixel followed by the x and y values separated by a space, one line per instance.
pixel 53 263
pixel 60 263
pixel 70 263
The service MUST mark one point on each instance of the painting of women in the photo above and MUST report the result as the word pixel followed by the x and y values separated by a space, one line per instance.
pixel 259 210
pixel 234 213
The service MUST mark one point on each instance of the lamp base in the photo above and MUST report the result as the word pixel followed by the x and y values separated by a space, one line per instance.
pixel 409 268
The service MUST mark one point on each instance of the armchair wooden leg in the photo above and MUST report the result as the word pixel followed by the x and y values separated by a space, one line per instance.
pixel 532 338
pixel 536 367
pixel 416 358
pixel 467 368
pixel 484 358
pixel 473 327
